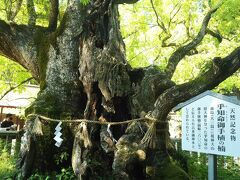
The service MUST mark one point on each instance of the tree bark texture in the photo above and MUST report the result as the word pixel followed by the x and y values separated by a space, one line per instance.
pixel 83 73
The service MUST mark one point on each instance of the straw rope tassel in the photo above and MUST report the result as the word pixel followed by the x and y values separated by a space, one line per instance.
pixel 37 127
pixel 149 139
pixel 84 135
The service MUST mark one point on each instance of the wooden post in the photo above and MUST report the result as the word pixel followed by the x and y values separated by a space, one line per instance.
pixel 8 143
pixel 212 167
pixel 18 142
pixel 9 135
pixel 1 113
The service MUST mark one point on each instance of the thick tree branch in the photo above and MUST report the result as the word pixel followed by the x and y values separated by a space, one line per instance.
pixel 18 43
pixel 182 51
pixel 53 15
pixel 215 34
pixel 219 70
pixel 32 16
pixel 6 45
pixel 14 87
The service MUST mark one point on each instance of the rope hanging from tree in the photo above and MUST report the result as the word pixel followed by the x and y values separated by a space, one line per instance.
pixel 148 140
pixel 147 117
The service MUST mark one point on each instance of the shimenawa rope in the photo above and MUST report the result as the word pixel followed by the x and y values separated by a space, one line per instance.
pixel 148 139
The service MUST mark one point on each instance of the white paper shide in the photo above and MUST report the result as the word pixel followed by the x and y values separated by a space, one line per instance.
pixel 58 135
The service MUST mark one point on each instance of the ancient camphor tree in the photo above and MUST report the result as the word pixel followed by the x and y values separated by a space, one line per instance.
pixel 80 63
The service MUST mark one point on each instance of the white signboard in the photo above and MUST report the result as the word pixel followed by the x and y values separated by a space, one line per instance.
pixel 211 125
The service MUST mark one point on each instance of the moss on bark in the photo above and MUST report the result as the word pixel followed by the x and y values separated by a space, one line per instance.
pixel 42 42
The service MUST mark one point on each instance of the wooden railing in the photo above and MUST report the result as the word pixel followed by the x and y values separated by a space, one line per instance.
pixel 11 140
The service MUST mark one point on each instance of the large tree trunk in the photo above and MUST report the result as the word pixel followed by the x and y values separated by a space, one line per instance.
pixel 104 88
pixel 61 96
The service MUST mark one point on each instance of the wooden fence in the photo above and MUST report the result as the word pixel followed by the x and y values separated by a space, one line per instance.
pixel 11 140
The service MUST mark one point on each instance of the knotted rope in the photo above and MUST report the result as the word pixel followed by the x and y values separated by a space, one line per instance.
pixel 148 140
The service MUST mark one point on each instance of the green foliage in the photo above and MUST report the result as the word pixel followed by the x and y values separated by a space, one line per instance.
pixel 152 32
pixel 7 163
pixel 227 86
pixel 148 43
pixel 42 8
pixel 11 74
pixel 84 2
pixel 59 158
pixel 7 166
pixel 229 15
pixel 64 174
pixel 145 36
pixel 197 166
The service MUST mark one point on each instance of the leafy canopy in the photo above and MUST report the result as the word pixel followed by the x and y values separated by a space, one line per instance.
pixel 154 29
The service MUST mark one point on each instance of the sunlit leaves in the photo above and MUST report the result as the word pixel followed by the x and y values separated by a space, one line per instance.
pixel 159 27
pixel 153 30
pixel 11 74
pixel 147 42
pixel 84 2
pixel 228 19
pixel 228 85
pixel 139 32
pixel 42 8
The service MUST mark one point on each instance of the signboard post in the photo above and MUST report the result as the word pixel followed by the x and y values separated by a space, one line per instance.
pixel 209 125
pixel 212 167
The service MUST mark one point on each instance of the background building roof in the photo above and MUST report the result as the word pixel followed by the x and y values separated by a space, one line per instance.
pixel 13 102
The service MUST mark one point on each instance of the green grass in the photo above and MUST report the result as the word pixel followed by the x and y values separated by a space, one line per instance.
pixel 7 165
pixel 196 165
pixel 198 168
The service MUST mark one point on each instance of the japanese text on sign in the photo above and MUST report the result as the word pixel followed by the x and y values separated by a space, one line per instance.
pixel 210 126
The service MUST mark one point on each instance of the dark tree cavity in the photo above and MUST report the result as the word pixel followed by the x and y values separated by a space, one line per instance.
pixel 82 70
